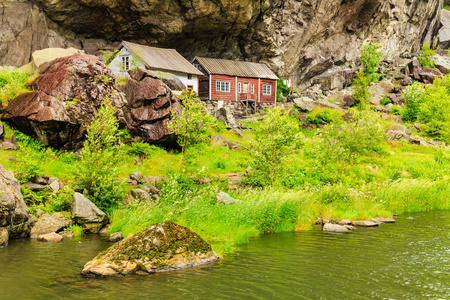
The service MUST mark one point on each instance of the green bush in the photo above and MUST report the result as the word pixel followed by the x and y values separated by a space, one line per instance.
pixel 361 92
pixel 413 98
pixel 62 201
pixel 282 89
pixel 395 110
pixel 325 116
pixel 371 58
pixel 385 101
pixel 97 169
pixel 77 230
pixel 426 57
pixel 275 138
pixel 12 83
pixel 435 110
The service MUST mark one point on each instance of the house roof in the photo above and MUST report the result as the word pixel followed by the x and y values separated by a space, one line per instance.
pixel 160 58
pixel 236 68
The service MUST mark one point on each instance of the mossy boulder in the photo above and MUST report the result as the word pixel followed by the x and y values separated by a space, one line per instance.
pixel 159 248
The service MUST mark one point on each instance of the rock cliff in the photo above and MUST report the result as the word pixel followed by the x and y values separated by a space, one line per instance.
pixel 298 38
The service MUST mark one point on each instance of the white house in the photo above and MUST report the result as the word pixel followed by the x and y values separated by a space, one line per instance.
pixel 159 60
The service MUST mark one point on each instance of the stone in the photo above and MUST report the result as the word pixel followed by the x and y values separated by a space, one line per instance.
pixel 149 109
pixel 442 69
pixel 23 230
pixel 137 176
pixel 387 107
pixel 413 69
pixel 87 214
pixel 409 218
pixel 364 224
pixel 4 237
pixel 334 228
pixel 41 57
pixel 140 195
pixel 35 187
pixel 115 237
pixel 326 104
pixel 2 131
pixel 397 132
pixel 159 248
pixel 398 89
pixel 407 81
pixel 380 90
pixel 428 75
pixel 349 101
pixel 54 186
pixel 345 222
pixel 50 237
pixel 44 179
pixel 14 211
pixel 225 116
pixel 349 227
pixel 38 212
pixel 305 104
pixel 302 117
pixel 382 220
pixel 318 221
pixel 444 32
pixel 105 230
pixel 8 146
pixel 50 223
pixel 224 198
pixel 66 234
pixel 63 101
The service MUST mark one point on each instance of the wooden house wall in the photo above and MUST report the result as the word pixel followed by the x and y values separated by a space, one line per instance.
pixel 272 98
pixel 250 81
pixel 221 96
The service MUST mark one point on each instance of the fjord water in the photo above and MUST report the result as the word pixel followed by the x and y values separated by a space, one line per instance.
pixel 406 260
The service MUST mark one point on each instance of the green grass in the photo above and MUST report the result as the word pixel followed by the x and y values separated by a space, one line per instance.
pixel 12 83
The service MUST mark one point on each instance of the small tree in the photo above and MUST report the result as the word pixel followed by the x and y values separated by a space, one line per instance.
pixel 97 169
pixel 194 125
pixel 414 97
pixel 371 58
pixel 275 138
pixel 426 57
pixel 361 90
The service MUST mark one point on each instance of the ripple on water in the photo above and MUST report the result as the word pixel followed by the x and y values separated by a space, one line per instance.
pixel 407 260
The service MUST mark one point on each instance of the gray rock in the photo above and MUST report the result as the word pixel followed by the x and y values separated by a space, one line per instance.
pixel 379 90
pixel 364 224
pixel 50 223
pixel 115 237
pixel 387 107
pixel 140 195
pixel 345 222
pixel 225 116
pixel 382 220
pixel 318 221
pixel 4 237
pixel 397 132
pixel 137 176
pixel 444 32
pixel 326 104
pixel 43 180
pixel 302 117
pixel 226 199
pixel 87 214
pixel 409 218
pixel 14 214
pixel 23 230
pixel 305 103
pixel 35 187
pixel 349 227
pixel 105 231
pixel 66 234
pixel 54 186
pixel 50 237
pixel 38 212
pixel 2 131
pixel 8 146
pixel 334 228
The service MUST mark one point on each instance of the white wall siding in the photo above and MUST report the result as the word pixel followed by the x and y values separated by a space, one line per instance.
pixel 116 64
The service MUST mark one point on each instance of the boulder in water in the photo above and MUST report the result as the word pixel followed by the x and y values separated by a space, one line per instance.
pixel 87 214
pixel 159 248
pixel 50 223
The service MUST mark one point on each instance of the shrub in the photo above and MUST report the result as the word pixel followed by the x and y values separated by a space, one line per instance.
pixel 413 96
pixel 282 89
pixel 77 230
pixel 426 57
pixel 325 116
pixel 276 137
pixel 343 143
pixel 97 169
pixel 361 90
pixel 435 111
pixel 194 125
pixel 395 110
pixel 12 83
pixel 61 201
pixel 385 101
pixel 370 58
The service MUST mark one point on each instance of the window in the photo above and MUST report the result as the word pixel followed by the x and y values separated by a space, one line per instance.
pixel 252 90
pixel 197 66
pixel 190 87
pixel 239 88
pixel 267 89
pixel 189 76
pixel 223 86
pixel 126 62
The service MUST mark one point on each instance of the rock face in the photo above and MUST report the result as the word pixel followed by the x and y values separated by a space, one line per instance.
pixel 150 103
pixel 299 38
pixel 161 247
pixel 14 214
pixel 87 214
pixel 50 224
pixel 67 93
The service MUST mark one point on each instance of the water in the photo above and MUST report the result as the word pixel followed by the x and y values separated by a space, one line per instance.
pixel 407 260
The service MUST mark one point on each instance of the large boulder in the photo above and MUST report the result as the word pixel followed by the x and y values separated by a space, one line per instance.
pixel 151 103
pixel 50 224
pixel 305 104
pixel 65 97
pixel 41 57
pixel 225 116
pixel 380 90
pixel 397 132
pixel 14 214
pixel 4 237
pixel 159 248
pixel 87 214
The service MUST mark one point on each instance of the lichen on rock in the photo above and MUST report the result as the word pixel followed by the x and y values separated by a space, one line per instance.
pixel 161 247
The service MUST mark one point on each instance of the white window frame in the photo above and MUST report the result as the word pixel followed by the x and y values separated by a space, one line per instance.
pixel 267 89
pixel 125 60
pixel 239 87
pixel 252 89
pixel 223 86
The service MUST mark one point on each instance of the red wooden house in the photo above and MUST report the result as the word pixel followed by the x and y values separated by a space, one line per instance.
pixel 228 80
